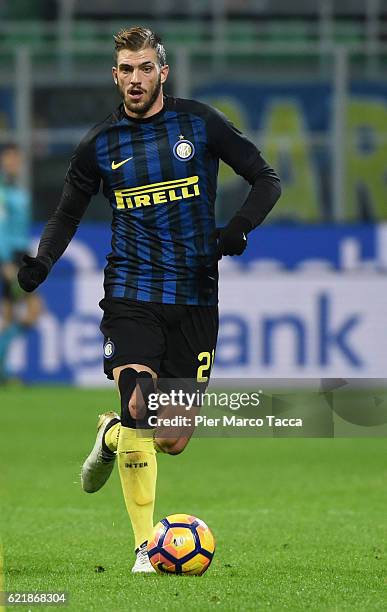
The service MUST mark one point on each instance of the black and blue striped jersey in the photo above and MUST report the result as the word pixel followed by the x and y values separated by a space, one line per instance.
pixel 159 175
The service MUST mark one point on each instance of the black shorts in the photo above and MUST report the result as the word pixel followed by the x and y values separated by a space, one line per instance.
pixel 175 341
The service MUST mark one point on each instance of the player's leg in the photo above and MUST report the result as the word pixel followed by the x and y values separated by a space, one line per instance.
pixel 130 438
pixel 136 455
pixel 133 348
pixel 99 464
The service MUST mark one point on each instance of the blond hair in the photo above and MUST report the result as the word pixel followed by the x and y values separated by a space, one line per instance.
pixel 138 38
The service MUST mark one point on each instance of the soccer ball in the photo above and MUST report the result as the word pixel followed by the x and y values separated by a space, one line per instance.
pixel 181 544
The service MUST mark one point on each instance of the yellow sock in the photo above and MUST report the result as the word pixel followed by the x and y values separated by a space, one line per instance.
pixel 111 437
pixel 138 472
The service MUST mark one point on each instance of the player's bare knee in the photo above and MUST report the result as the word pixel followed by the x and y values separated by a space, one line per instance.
pixel 136 410
pixel 134 406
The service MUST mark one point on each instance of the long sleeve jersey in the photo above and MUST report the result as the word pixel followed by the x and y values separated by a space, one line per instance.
pixel 159 175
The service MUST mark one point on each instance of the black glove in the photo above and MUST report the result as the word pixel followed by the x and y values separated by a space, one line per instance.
pixel 33 272
pixel 232 239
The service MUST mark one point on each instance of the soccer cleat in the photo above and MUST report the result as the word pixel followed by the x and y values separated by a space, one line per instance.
pixel 99 464
pixel 142 564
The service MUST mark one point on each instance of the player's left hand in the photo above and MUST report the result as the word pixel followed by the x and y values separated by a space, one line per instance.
pixel 232 239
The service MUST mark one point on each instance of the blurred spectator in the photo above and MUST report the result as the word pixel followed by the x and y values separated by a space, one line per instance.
pixel 19 311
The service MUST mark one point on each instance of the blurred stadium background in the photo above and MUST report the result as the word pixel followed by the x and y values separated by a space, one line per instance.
pixel 306 81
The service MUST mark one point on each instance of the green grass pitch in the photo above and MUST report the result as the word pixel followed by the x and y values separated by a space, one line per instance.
pixel 299 523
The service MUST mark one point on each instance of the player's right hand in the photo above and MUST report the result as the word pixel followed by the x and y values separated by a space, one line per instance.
pixel 33 272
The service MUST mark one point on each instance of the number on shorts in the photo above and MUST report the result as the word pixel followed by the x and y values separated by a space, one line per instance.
pixel 208 359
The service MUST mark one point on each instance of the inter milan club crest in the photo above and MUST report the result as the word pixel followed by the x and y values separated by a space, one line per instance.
pixel 183 149
pixel 108 349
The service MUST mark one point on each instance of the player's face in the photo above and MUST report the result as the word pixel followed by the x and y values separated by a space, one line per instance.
pixel 139 79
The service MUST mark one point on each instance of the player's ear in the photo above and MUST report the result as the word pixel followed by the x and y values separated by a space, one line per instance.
pixel 114 73
pixel 164 73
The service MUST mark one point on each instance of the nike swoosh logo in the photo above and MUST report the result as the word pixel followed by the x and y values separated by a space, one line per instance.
pixel 116 165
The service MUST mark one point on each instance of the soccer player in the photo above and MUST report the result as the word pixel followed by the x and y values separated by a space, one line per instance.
pixel 19 311
pixel 157 158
